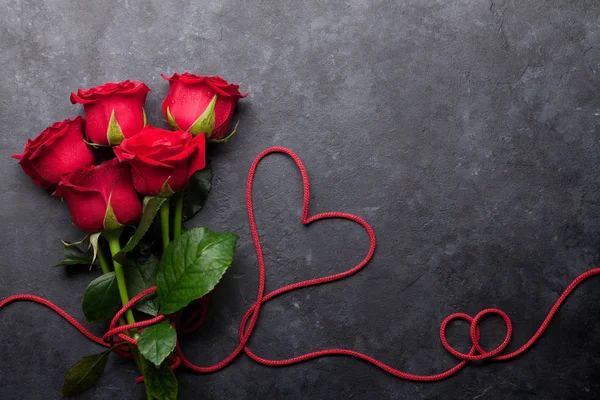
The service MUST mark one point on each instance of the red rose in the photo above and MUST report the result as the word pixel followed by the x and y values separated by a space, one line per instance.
pixel 156 155
pixel 60 149
pixel 114 111
pixel 200 104
pixel 101 197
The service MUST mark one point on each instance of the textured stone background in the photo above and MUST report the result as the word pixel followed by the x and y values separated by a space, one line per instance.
pixel 465 132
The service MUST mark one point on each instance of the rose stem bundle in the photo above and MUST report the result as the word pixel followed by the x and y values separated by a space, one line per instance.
pixel 112 237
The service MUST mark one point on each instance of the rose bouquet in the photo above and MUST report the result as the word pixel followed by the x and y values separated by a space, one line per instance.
pixel 116 174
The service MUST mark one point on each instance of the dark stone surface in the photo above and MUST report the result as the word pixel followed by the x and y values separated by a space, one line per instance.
pixel 465 132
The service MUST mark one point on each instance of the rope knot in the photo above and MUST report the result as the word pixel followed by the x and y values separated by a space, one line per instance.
pixel 476 352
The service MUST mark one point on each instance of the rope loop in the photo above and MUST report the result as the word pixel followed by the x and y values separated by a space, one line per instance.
pixel 476 353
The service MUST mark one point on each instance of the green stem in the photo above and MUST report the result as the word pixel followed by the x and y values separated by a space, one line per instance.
pixel 115 246
pixel 103 264
pixel 178 214
pixel 164 223
pixel 105 270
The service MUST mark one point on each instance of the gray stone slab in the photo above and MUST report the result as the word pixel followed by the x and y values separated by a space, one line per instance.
pixel 465 132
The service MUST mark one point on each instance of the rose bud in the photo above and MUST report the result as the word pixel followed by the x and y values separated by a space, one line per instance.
pixel 114 111
pixel 58 150
pixel 200 104
pixel 101 197
pixel 162 161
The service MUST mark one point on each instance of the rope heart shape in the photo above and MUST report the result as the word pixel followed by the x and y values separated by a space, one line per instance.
pixel 250 318
pixel 249 321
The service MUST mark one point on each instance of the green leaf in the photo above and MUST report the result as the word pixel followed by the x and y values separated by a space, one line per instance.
pixel 140 275
pixel 191 267
pixel 84 373
pixel 156 342
pixel 85 240
pixel 151 207
pixel 161 382
pixel 94 244
pixel 145 117
pixel 206 122
pixel 96 145
pixel 114 134
pixel 196 192
pixel 165 190
pixel 226 138
pixel 110 219
pixel 172 121
pixel 101 298
pixel 73 255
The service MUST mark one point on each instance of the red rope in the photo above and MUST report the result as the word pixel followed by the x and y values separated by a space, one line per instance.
pixel 56 309
pixel 249 320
